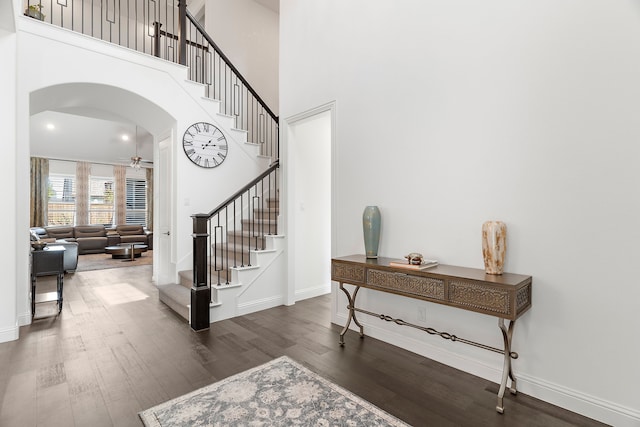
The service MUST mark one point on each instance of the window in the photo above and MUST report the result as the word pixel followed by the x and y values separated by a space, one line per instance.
pixel 62 199
pixel 136 201
pixel 101 200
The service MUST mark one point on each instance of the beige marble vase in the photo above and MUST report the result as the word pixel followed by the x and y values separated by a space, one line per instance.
pixel 494 246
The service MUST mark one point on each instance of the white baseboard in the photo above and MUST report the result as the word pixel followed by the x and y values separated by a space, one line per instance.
pixel 573 400
pixel 312 292
pixel 24 319
pixel 9 334
pixel 261 304
pixel 581 403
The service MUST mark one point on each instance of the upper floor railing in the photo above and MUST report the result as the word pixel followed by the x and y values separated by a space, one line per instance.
pixel 166 29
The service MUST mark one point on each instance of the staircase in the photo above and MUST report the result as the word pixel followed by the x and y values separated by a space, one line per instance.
pixel 239 243
pixel 234 265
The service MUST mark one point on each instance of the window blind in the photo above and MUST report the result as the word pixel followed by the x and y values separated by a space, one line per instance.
pixel 101 200
pixel 136 200
pixel 62 199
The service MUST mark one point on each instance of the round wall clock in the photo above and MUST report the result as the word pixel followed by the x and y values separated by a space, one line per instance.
pixel 205 145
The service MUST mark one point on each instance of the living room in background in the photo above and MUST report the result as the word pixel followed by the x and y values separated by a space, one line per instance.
pixel 103 203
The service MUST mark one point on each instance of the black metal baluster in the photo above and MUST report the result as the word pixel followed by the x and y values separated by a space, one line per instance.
pixel 235 232
pixel 269 203
pixel 226 222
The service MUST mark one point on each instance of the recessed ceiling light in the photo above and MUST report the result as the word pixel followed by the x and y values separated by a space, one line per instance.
pixel 125 137
pixel 51 126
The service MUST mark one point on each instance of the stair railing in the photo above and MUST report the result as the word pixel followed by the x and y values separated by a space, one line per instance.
pixel 167 30
pixel 210 66
pixel 225 237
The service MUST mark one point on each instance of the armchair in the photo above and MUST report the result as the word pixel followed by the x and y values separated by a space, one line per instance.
pixel 135 234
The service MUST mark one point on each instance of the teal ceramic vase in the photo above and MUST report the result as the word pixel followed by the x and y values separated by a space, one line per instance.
pixel 371 228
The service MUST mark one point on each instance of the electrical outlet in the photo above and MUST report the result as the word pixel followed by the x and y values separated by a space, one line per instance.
pixel 422 314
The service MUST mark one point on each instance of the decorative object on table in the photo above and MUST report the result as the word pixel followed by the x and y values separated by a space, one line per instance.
pixel 494 246
pixel 205 145
pixel 35 11
pixel 279 393
pixel 410 263
pixel 414 258
pixel 371 229
pixel 38 245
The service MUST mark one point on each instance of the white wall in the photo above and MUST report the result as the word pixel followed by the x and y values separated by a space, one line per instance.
pixel 247 33
pixel 8 306
pixel 453 113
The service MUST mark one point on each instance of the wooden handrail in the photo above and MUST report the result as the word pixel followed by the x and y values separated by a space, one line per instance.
pixel 230 65
pixel 275 165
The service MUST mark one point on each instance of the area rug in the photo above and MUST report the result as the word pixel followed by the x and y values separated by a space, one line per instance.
pixel 278 393
pixel 90 262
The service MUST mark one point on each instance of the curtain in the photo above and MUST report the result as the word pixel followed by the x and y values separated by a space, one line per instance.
pixel 120 177
pixel 149 178
pixel 39 192
pixel 83 170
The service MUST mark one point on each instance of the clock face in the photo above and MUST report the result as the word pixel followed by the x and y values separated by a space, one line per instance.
pixel 205 145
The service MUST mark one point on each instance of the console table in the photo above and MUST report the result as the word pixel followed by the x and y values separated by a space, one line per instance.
pixel 505 296
pixel 47 262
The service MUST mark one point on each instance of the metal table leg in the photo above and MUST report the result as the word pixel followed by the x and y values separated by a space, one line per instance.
pixel 60 291
pixel 33 296
pixel 507 371
pixel 352 313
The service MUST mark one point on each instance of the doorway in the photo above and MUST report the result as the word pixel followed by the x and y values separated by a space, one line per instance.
pixel 112 108
pixel 309 145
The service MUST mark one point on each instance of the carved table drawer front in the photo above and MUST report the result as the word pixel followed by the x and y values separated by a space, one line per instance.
pixel 348 272
pixel 480 297
pixel 406 284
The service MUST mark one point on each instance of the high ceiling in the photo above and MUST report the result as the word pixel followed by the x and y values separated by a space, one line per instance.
pixel 83 134
pixel 271 4
pixel 77 137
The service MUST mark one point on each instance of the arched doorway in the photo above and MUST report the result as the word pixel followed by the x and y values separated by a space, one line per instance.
pixel 87 111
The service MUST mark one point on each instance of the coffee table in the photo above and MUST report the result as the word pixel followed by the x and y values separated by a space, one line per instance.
pixel 126 251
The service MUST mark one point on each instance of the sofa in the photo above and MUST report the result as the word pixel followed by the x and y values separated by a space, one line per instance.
pixel 135 234
pixel 70 258
pixel 93 239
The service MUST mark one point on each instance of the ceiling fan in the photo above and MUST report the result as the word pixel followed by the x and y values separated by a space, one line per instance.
pixel 137 161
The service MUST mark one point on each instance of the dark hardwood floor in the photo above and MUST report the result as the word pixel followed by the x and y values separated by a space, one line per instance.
pixel 116 350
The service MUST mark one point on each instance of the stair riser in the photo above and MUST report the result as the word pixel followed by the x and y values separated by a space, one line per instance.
pixel 272 203
pixel 245 241
pixel 236 259
pixel 256 226
pixel 267 214
pixel 186 278
pixel 263 226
